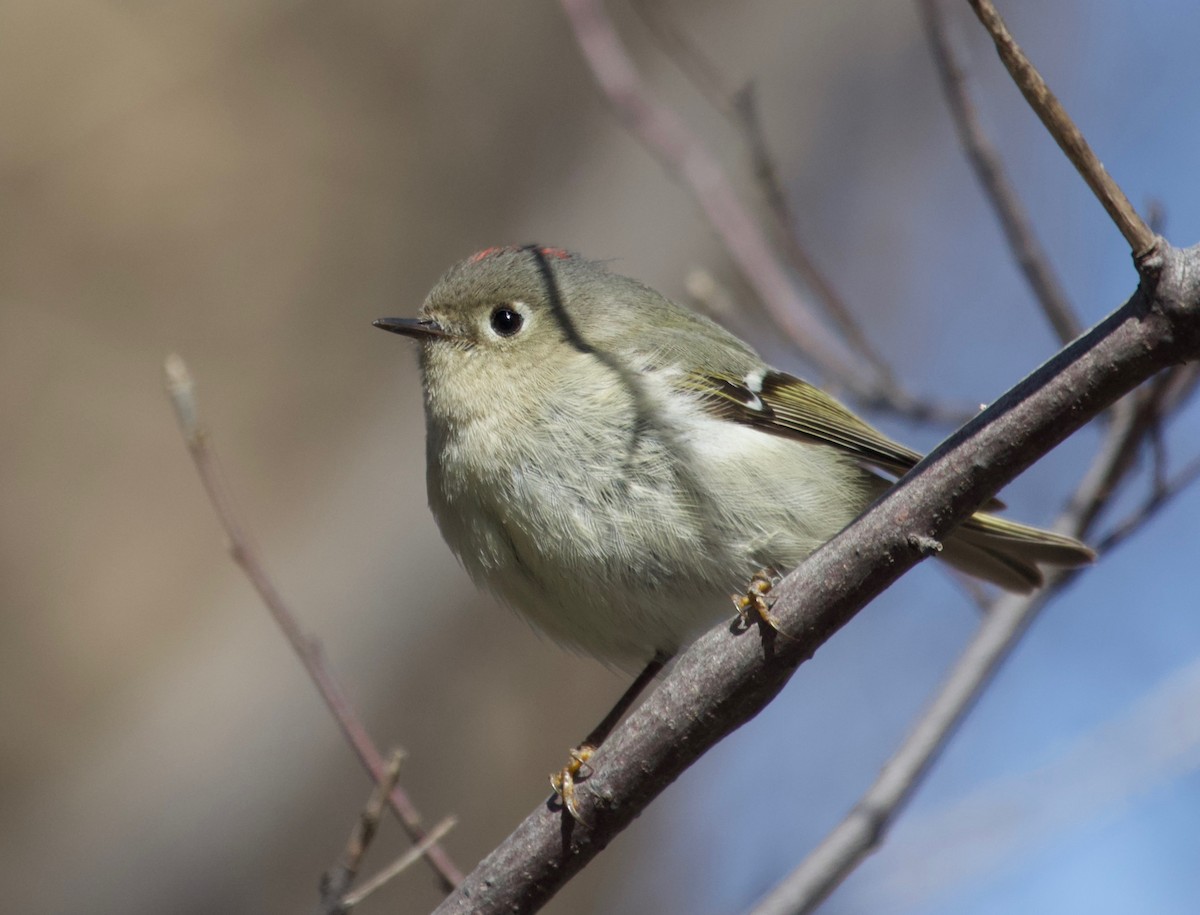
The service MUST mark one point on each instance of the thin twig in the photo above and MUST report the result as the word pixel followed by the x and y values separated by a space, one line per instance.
pixel 1070 139
pixel 1141 415
pixel 337 880
pixel 1113 462
pixel 687 56
pixel 741 108
pixel 308 650
pixel 662 132
pixel 401 864
pixel 1159 498
pixel 989 170
pixel 1179 386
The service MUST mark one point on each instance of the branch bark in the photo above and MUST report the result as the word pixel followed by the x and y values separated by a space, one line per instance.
pixel 1007 619
pixel 723 680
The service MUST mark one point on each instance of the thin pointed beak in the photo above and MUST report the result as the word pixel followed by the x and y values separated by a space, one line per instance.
pixel 417 328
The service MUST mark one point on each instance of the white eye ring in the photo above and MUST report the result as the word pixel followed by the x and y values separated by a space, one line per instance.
pixel 507 320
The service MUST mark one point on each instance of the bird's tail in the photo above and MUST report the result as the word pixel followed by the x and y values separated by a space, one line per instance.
pixel 1010 554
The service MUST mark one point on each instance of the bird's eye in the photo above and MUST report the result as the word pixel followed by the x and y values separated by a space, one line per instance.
pixel 506 321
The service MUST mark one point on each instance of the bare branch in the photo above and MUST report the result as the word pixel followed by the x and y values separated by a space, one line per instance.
pixel 683 155
pixel 182 392
pixel 1135 422
pixel 741 108
pixel 338 879
pixel 723 679
pixel 1161 495
pixel 1008 618
pixel 1141 240
pixel 1137 751
pixel 695 65
pixel 1139 417
pixel 989 170
pixel 400 865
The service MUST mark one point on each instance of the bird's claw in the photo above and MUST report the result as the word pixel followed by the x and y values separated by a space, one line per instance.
pixel 563 781
pixel 753 606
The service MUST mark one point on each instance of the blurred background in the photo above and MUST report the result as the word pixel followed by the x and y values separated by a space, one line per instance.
pixel 250 183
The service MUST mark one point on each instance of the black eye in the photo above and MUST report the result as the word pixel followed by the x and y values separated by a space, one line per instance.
pixel 506 321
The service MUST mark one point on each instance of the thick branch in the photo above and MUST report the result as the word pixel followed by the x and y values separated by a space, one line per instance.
pixel 724 680
pixel 864 828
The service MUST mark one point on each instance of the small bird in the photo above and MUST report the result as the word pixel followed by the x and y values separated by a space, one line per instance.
pixel 613 465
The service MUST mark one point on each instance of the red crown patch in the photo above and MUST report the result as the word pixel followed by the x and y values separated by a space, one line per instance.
pixel 557 253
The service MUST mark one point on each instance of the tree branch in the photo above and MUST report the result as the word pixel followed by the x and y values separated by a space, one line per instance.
pixel 182 392
pixel 1008 618
pixel 400 865
pixel 1137 420
pixel 989 170
pixel 1069 138
pixel 685 158
pixel 723 680
pixel 336 881
pixel 1162 494
pixel 741 108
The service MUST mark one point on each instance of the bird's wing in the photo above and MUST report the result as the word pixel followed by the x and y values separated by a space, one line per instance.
pixel 788 406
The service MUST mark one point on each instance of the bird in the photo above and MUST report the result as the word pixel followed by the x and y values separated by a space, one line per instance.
pixel 613 465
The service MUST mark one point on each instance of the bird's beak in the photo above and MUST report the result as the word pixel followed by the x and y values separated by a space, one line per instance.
pixel 418 328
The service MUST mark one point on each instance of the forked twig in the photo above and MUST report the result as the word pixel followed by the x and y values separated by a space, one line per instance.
pixel 307 649
pixel 401 864
pixel 666 136
pixel 337 880
pixel 1159 497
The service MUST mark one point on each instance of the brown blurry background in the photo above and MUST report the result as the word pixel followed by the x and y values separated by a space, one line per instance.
pixel 250 183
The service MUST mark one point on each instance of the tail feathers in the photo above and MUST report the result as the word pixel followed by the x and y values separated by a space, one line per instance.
pixel 1009 554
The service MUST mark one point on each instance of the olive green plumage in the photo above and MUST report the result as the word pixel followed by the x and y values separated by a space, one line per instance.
pixel 615 466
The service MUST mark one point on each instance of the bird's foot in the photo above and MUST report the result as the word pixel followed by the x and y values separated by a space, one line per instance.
pixel 754 606
pixel 563 781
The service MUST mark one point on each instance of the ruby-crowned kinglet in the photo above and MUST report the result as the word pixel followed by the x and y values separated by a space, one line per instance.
pixel 614 465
